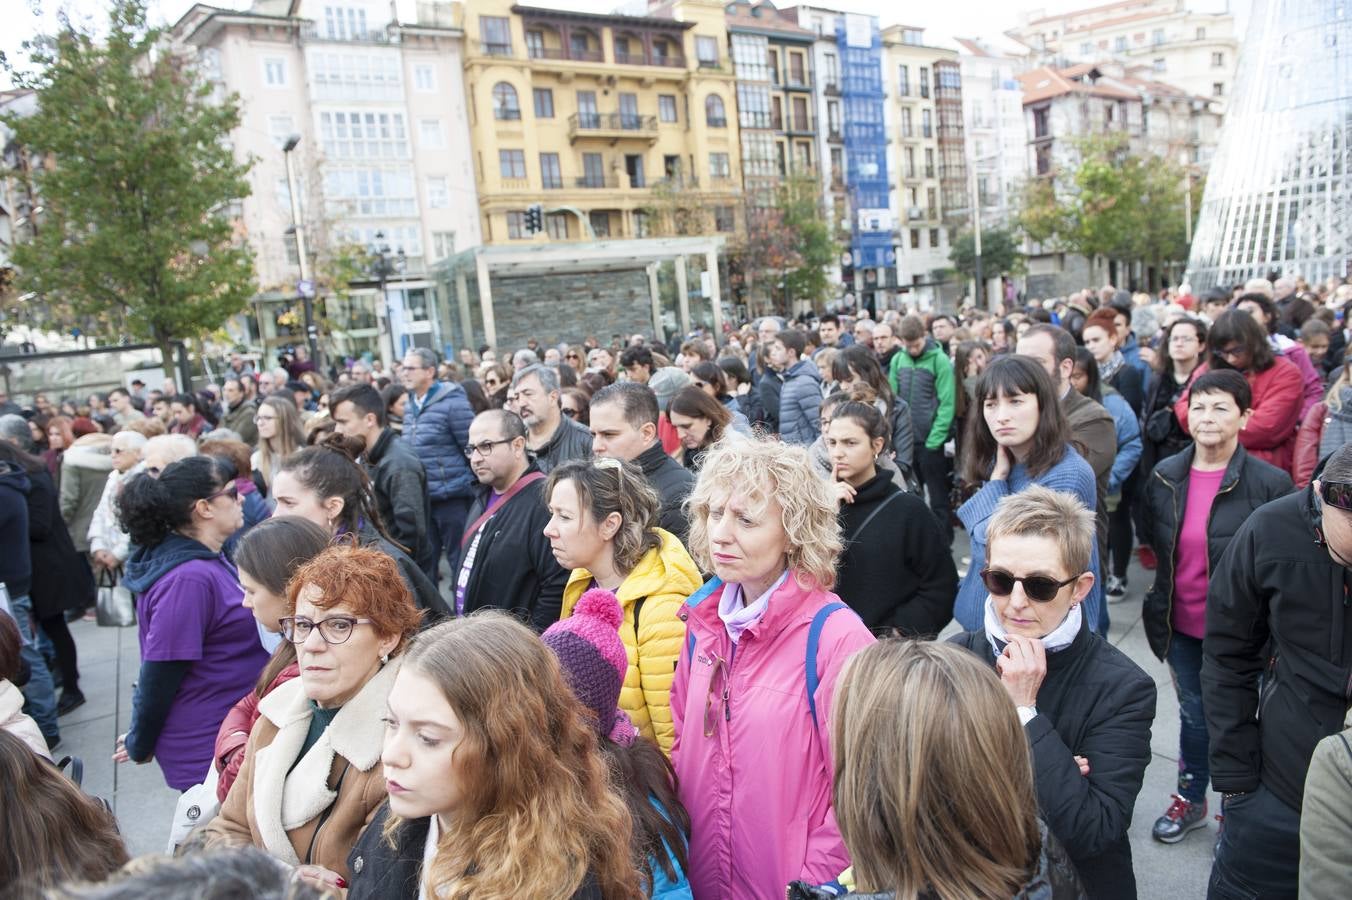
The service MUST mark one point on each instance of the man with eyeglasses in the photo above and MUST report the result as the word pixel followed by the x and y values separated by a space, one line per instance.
pixel 553 437
pixel 505 559
pixel 398 478
pixel 1278 642
pixel 1085 707
pixel 437 416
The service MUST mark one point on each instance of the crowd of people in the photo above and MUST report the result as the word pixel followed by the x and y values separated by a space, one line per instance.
pixel 661 619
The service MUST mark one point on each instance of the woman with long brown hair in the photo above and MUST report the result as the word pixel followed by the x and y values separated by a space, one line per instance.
pixel 700 422
pixel 496 784
pixel 934 781
pixel 279 435
pixel 53 831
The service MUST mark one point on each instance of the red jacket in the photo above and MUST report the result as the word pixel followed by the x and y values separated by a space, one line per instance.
pixel 233 737
pixel 1277 395
pixel 1307 444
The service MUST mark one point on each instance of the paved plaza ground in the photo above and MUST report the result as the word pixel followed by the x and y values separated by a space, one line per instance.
pixel 144 804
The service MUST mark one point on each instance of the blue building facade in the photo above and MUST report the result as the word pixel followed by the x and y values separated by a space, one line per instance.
pixel 859 43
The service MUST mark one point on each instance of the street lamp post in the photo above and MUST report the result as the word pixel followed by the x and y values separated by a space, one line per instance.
pixel 306 286
pixel 383 265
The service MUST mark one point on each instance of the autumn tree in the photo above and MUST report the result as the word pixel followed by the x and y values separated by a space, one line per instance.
pixel 1000 254
pixel 136 234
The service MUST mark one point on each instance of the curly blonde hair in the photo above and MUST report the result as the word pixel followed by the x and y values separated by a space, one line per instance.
pixel 763 471
pixel 540 813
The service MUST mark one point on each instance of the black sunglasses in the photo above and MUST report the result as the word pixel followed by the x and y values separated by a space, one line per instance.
pixel 1038 588
pixel 1337 494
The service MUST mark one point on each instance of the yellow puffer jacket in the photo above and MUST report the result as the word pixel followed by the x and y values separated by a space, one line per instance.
pixel 663 578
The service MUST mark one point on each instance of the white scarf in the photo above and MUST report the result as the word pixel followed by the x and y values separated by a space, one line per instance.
pixel 1060 638
pixel 738 618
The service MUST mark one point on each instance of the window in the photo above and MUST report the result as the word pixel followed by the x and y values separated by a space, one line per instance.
pixel 833 117
pixel 594 171
pixel 1086 49
pixel 797 69
pixel 344 23
pixel 666 107
pixel 1201 34
pixel 438 193
pixel 346 76
pixel 801 122
pixel 907 127
pixel 430 136
pixel 931 202
pixel 600 222
pixel 505 104
pixel 910 162
pixel 496 34
pixel 773 57
pixel 750 54
pixel 544 103
pixel 443 244
pixel 1120 44
pixel 934 238
pixel 512 164
pixel 274 71
pixel 556 226
pixel 724 219
pixel 720 165
pixel 832 74
pixel 629 117
pixel 516 225
pixel 579 47
pixel 924 81
pixel 424 79
pixel 1158 65
pixel 715 115
pixel 904 81
pixel 1157 37
pixel 926 123
pixel 1218 60
pixel 551 176
pixel 280 128
pixel 363 135
pixel 1217 89
pixel 1042 122
pixel 382 191
pixel 587 116
pixel 802 156
pixel 706 51
pixel 929 163
pixel 915 239
pixel 640 223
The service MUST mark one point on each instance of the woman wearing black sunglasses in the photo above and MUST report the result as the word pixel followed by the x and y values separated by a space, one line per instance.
pixel 199 646
pixel 1084 705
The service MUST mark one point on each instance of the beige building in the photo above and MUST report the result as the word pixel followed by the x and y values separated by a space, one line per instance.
pixel 383 153
pixel 1196 51
pixel 618 126
pixel 912 72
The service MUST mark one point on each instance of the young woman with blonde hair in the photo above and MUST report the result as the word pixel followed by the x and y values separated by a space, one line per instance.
pixel 497 788
pixel 279 435
pixel 934 782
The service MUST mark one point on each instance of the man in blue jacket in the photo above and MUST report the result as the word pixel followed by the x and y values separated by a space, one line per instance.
pixel 437 416
pixel 800 399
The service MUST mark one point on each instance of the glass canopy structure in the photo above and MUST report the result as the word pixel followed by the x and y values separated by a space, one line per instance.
pixel 1279 192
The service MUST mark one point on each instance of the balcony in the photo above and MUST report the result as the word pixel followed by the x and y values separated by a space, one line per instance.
pixel 547 52
pixel 915 213
pixel 800 125
pixel 716 122
pixel 639 59
pixel 491 49
pixel 612 127
pixel 678 182
pixel 798 83
pixel 833 134
pixel 831 88
pixel 597 182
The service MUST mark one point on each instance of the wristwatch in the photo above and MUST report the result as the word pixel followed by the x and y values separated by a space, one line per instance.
pixel 1026 714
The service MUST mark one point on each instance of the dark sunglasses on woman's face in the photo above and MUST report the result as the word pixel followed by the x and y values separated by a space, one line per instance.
pixel 232 492
pixel 570 413
pixel 1038 588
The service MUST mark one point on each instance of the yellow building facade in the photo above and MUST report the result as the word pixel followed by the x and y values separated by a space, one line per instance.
pixel 609 122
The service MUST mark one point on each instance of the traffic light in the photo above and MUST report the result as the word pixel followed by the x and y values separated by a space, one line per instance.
pixel 535 219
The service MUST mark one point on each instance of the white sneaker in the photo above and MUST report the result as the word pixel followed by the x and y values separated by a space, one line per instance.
pixel 1116 588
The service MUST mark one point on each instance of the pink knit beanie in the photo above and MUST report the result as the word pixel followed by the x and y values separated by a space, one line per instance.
pixel 594 660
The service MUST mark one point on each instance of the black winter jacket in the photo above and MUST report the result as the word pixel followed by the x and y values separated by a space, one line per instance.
pixel 62 578
pixel 1277 659
pixel 16 568
pixel 400 484
pixel 896 572
pixel 382 872
pixel 513 568
pixel 770 386
pixel 1054 879
pixel 1096 703
pixel 673 483
pixel 1161 435
pixel 571 440
pixel 1248 483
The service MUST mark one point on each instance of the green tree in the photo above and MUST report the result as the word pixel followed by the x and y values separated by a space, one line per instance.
pixel 136 236
pixel 1000 253
pixel 800 203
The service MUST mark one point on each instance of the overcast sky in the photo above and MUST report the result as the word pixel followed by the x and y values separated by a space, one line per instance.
pixel 942 22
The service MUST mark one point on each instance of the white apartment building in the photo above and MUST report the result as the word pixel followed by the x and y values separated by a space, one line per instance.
pixel 379 108
pixel 1195 51
pixel 996 130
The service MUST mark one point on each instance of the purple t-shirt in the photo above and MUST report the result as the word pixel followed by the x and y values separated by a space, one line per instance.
pixel 1190 570
pixel 194 613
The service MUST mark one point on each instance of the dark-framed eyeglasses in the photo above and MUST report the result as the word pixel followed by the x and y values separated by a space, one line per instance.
pixel 334 629
pixel 569 412
pixel 1038 588
pixel 1337 494
pixel 483 448
pixel 232 492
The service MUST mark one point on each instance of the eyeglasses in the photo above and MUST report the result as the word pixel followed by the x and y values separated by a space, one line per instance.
pixel 483 448
pixel 492 382
pixel 1337 494
pixel 258 419
pixel 1038 588
pixel 710 707
pixel 232 492
pixel 1232 351
pixel 570 413
pixel 334 629
pixel 572 356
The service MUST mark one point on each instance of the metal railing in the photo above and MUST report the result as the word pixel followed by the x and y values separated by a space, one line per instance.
pixel 488 48
pixel 612 122
pixel 597 182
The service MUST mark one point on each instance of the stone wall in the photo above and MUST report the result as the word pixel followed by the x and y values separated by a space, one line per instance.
pixel 570 306
pixel 1056 275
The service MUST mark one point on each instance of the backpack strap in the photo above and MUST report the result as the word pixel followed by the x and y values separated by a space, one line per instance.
pixel 814 636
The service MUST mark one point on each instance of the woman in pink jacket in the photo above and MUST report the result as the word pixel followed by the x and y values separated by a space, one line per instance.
pixel 765 642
